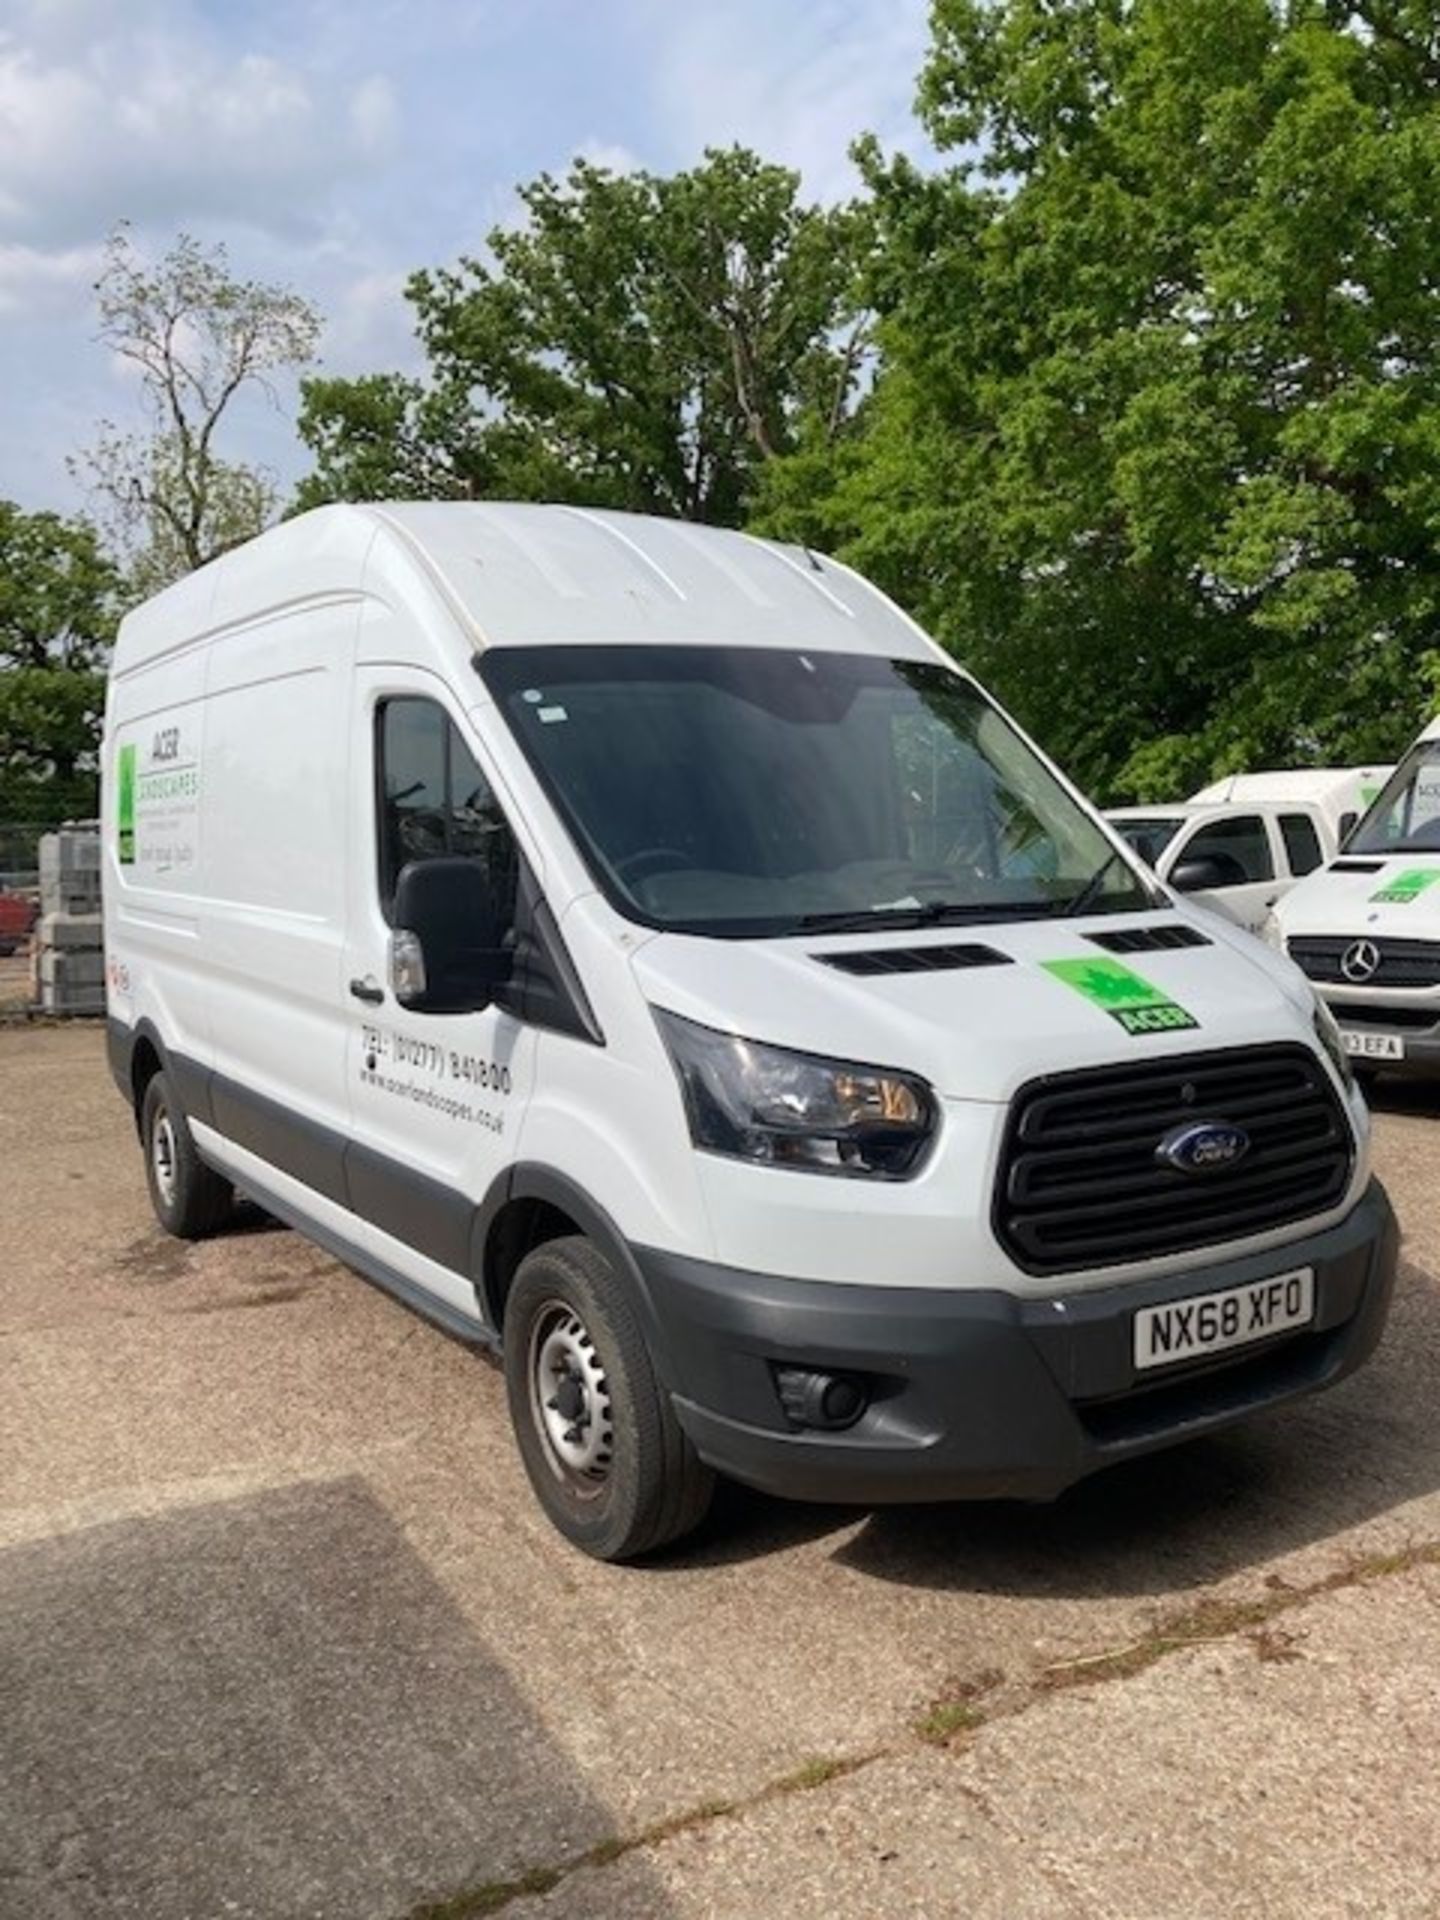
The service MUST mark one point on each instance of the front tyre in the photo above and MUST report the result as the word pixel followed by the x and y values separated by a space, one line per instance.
pixel 606 1456
pixel 190 1199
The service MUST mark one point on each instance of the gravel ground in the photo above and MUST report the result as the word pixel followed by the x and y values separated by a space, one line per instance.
pixel 282 1633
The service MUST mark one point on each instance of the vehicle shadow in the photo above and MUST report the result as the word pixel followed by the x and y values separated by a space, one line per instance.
pixel 1184 1518
pixel 265 1706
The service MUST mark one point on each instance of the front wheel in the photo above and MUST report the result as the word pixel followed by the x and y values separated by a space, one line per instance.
pixel 190 1199
pixel 605 1454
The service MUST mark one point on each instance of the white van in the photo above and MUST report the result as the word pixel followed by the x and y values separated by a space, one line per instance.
pixel 1236 860
pixel 1340 794
pixel 1366 929
pixel 638 946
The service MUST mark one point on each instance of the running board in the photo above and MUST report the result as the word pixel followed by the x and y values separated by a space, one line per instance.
pixel 377 1271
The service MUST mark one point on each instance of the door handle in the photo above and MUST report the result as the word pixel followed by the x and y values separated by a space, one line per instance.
pixel 367 991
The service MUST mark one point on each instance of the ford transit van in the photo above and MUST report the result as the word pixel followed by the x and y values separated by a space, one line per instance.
pixel 1366 927
pixel 638 947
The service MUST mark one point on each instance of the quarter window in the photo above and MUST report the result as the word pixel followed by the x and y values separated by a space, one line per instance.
pixel 434 800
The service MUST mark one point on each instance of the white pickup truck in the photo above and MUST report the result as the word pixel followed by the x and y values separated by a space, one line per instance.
pixel 1237 858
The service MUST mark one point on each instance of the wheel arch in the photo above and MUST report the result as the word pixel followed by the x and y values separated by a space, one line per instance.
pixel 530 1204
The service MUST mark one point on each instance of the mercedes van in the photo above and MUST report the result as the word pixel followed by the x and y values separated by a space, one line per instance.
pixel 639 948
pixel 1366 927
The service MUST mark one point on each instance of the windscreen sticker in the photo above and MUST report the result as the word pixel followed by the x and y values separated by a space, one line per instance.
pixel 1130 1001
pixel 1405 887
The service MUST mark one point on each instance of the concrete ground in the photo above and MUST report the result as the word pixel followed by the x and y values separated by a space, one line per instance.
pixel 283 1634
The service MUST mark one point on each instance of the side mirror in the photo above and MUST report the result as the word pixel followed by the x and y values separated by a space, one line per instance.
pixel 1207 872
pixel 448 952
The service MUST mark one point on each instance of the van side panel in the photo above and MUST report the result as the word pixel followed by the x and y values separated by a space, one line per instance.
pixel 276 765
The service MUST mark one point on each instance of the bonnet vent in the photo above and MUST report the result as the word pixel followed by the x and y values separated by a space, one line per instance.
pixel 1150 939
pixel 913 959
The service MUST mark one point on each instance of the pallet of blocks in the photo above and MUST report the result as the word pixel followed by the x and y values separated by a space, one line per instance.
pixel 69 945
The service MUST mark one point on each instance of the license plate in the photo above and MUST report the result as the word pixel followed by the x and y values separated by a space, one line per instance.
pixel 1211 1322
pixel 1373 1046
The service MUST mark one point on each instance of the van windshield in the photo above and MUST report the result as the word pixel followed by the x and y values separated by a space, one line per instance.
pixel 745 790
pixel 1405 817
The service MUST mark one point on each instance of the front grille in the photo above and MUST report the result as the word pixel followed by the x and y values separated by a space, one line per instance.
pixel 1173 933
pixel 1080 1185
pixel 1403 963
pixel 872 960
pixel 1398 1019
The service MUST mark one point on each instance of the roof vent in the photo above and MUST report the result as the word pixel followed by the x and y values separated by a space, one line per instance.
pixel 1150 939
pixel 1355 866
pixel 875 960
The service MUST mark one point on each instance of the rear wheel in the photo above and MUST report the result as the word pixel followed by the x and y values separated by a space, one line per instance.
pixel 605 1454
pixel 190 1199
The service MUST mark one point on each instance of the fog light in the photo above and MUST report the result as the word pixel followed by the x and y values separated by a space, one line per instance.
pixel 831 1401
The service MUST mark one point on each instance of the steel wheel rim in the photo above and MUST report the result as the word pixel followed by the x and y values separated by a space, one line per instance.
pixel 570 1399
pixel 162 1157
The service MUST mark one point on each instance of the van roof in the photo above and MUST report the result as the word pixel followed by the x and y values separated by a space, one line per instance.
pixel 530 574
pixel 1291 783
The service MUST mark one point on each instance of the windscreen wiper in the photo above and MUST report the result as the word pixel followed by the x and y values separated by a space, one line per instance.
pixel 931 913
pixel 1091 889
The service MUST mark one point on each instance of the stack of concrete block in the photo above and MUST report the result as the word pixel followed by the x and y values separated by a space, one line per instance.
pixel 69 947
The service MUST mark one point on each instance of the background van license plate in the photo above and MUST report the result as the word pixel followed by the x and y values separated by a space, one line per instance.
pixel 1373 1046
pixel 1210 1322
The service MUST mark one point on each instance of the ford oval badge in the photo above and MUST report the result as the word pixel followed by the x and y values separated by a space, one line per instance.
pixel 1203 1146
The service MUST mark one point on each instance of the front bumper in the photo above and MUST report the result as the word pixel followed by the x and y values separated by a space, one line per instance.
pixel 985 1394
pixel 1422 1044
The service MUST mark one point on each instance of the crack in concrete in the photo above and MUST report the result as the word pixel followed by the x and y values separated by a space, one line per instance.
pixel 955 1719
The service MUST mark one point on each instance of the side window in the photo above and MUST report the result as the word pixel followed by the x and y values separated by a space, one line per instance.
pixel 434 800
pixel 1241 845
pixel 1302 843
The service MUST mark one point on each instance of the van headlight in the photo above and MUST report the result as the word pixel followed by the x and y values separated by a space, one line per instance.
pixel 781 1109
pixel 1327 1032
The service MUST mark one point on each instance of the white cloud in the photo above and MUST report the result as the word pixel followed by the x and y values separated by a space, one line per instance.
pixel 33 280
pixel 611 154
pixel 799 84
pixel 370 326
pixel 373 114
pixel 158 121
pixel 276 126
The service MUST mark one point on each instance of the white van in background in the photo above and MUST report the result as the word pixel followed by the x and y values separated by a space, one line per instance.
pixel 1236 860
pixel 639 947
pixel 1340 794
pixel 1366 929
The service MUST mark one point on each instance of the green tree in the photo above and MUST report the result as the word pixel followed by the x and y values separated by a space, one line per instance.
pixel 59 597
pixel 1156 446
pixel 638 342
pixel 200 339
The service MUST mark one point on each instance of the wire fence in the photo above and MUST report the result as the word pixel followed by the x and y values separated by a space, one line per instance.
pixel 20 852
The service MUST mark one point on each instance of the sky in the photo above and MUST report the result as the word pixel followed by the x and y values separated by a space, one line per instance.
pixel 335 147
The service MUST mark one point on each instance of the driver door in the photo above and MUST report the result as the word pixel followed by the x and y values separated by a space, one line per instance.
pixel 436 1098
pixel 1241 845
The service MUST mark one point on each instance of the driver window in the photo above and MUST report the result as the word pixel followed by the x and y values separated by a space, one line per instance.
pixel 434 800
pixel 1241 845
